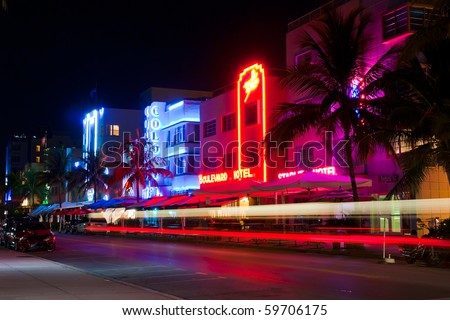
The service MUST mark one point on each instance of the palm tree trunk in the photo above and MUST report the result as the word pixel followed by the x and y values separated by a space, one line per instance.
pixel 95 191
pixel 137 191
pixel 351 167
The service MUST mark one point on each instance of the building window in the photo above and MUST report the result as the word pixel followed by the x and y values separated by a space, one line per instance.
pixel 38 159
pixel 179 135
pixel 196 133
pixel 251 114
pixel 167 142
pixel 114 130
pixel 180 165
pixel 38 148
pixel 209 128
pixel 229 122
pixel 404 20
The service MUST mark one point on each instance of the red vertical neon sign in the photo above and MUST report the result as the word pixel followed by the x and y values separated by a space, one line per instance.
pixel 251 87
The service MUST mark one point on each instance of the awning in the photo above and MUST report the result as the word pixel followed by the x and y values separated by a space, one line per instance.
pixel 155 202
pixel 43 209
pixel 311 180
pixel 116 202
pixel 77 212
pixel 175 201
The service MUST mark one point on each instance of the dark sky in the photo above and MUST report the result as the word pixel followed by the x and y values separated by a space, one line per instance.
pixel 52 53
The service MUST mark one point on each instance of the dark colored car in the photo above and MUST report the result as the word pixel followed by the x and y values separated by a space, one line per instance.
pixel 6 226
pixel 24 235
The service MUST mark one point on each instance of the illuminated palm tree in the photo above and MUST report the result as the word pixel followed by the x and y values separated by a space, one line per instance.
pixel 335 81
pixel 139 167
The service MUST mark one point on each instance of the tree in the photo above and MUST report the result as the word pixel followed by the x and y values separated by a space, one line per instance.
pixel 423 117
pixel 89 175
pixel 139 167
pixel 13 191
pixel 32 186
pixel 335 82
pixel 55 173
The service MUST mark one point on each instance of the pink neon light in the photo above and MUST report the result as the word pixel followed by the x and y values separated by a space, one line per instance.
pixel 257 77
pixel 315 237
pixel 331 170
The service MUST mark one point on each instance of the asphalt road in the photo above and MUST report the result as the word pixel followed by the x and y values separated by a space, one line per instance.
pixel 208 272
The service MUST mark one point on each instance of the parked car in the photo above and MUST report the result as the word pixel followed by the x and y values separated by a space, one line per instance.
pixel 24 235
pixel 6 226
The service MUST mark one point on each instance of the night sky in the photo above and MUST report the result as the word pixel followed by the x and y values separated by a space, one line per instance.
pixel 53 53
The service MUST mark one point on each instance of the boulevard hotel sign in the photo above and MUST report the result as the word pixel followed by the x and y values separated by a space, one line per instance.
pixel 251 129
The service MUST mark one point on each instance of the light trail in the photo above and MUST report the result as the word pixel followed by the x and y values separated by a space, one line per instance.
pixel 300 237
pixel 432 207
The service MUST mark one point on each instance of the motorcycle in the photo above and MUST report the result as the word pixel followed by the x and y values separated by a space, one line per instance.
pixel 429 254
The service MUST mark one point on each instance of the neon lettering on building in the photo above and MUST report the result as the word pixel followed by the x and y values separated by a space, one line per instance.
pixel 331 170
pixel 238 174
pixel 153 125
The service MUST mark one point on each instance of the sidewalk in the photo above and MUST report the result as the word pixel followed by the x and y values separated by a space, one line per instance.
pixel 27 277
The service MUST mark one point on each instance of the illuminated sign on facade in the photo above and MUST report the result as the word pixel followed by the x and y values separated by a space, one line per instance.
pixel 325 170
pixel 251 115
pixel 251 84
pixel 225 176
pixel 153 125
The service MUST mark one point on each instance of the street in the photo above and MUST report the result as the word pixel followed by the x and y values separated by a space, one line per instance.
pixel 208 272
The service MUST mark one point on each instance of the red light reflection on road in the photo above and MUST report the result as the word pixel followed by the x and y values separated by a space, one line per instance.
pixel 312 237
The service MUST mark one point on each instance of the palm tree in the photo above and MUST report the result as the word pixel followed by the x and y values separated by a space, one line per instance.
pixel 32 185
pixel 341 43
pixel 423 82
pixel 426 132
pixel 89 175
pixel 56 172
pixel 14 191
pixel 139 167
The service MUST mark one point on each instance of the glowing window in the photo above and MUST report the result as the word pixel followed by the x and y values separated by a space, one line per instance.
pixel 38 148
pixel 179 135
pixel 38 159
pixel 114 130
pixel 229 122
pixel 180 165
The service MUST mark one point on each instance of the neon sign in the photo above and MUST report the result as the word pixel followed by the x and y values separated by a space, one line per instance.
pixel 325 170
pixel 224 176
pixel 251 84
pixel 153 125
